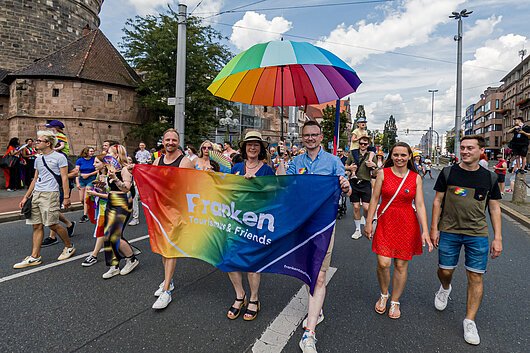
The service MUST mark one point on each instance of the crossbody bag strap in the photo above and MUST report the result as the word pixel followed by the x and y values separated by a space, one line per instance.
pixel 395 194
pixel 58 178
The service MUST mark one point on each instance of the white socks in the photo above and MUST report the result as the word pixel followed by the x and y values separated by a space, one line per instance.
pixel 357 224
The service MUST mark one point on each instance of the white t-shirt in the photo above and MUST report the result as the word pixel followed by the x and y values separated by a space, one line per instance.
pixel 46 181
pixel 143 156
pixel 427 162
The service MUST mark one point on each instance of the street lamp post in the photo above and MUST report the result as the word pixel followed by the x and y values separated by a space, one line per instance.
pixel 458 38
pixel 431 153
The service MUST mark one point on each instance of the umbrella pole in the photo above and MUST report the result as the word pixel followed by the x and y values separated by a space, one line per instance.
pixel 281 108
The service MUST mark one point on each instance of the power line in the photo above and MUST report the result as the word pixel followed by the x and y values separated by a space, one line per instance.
pixel 299 6
pixel 355 46
pixel 199 4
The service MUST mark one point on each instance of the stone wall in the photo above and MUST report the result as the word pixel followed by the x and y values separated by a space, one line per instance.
pixel 32 29
pixel 91 112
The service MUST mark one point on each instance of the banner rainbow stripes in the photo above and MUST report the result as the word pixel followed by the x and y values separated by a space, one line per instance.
pixel 278 224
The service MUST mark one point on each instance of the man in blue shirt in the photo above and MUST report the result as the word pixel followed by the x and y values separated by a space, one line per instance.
pixel 316 161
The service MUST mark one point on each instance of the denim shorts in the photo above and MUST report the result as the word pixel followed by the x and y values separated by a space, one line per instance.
pixel 84 182
pixel 476 250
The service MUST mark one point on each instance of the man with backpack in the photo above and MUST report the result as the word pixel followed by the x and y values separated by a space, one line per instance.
pixel 463 192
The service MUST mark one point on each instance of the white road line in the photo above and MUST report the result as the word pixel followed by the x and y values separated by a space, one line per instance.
pixel 57 263
pixel 276 336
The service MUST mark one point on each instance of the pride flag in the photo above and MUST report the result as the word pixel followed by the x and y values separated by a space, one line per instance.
pixel 278 224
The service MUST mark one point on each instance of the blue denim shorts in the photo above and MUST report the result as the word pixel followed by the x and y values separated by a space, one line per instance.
pixel 476 250
pixel 84 182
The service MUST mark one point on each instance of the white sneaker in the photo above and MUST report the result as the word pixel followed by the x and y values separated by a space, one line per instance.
pixel 28 261
pixel 129 266
pixel 160 289
pixel 357 234
pixel 67 253
pixel 113 271
pixel 134 222
pixel 163 300
pixel 470 332
pixel 442 297
pixel 308 343
pixel 320 319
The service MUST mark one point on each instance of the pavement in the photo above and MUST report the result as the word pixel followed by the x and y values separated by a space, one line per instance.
pixel 61 306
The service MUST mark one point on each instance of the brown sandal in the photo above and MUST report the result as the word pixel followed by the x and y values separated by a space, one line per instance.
pixel 251 314
pixel 236 311
pixel 380 305
pixel 394 312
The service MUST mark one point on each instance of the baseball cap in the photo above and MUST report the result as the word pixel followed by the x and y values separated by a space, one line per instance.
pixel 55 123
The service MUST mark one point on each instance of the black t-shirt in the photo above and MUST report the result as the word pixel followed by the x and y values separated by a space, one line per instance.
pixel 519 138
pixel 466 196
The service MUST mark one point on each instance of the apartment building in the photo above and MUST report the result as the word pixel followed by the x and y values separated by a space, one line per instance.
pixel 488 120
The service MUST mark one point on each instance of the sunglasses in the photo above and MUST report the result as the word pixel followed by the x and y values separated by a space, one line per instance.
pixel 39 141
pixel 363 144
pixel 207 148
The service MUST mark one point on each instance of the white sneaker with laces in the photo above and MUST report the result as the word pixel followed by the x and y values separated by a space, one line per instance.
pixel 67 253
pixel 134 222
pixel 113 271
pixel 357 234
pixel 163 300
pixel 28 261
pixel 308 343
pixel 129 266
pixel 442 297
pixel 160 289
pixel 470 332
pixel 320 319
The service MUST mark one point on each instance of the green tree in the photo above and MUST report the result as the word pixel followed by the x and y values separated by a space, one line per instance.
pixel 389 134
pixel 150 45
pixel 378 138
pixel 328 125
pixel 450 143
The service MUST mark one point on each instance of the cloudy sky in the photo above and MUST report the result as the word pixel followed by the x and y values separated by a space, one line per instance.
pixel 400 49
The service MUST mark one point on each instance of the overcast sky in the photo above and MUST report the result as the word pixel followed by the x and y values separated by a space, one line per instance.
pixel 400 49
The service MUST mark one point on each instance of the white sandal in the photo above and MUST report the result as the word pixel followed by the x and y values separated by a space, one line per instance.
pixel 394 306
pixel 381 303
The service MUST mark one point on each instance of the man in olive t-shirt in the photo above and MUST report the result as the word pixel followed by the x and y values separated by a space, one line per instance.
pixel 463 193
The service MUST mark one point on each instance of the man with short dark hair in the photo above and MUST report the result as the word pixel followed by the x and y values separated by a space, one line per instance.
pixel 342 157
pixel 360 163
pixel 519 143
pixel 315 161
pixel 463 191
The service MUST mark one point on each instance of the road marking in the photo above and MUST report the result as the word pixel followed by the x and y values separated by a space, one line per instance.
pixel 58 263
pixel 276 336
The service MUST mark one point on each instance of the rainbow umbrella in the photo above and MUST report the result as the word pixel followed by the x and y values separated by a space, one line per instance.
pixel 285 73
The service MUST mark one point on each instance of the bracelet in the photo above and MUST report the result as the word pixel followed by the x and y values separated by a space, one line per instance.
pixel 66 198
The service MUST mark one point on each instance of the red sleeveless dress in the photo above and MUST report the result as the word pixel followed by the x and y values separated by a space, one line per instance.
pixel 398 232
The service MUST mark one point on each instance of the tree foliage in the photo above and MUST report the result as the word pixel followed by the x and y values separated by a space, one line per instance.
pixel 389 134
pixel 150 45
pixel 328 125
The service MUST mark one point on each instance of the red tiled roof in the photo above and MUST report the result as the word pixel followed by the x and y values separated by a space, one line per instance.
pixel 314 111
pixel 91 57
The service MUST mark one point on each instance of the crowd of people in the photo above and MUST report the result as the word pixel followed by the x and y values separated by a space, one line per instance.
pixel 388 191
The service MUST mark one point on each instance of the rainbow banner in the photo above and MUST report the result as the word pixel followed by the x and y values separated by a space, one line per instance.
pixel 278 224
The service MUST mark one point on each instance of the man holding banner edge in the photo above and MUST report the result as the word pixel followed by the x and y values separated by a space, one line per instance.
pixel 316 161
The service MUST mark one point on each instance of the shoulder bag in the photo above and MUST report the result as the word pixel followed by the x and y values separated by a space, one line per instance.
pixel 374 222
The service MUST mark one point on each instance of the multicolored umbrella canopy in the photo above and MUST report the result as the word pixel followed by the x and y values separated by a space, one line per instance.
pixel 310 75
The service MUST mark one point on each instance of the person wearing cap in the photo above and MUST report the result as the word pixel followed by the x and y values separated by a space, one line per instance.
pixel 254 153
pixel 358 133
pixel 62 141
pixel 319 162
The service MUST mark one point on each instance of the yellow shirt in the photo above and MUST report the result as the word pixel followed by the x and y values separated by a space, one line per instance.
pixel 359 133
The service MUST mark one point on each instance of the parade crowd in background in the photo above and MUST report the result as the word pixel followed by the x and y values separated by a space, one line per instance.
pixel 385 190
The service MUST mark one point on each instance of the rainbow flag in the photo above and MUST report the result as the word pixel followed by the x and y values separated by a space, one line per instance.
pixel 266 224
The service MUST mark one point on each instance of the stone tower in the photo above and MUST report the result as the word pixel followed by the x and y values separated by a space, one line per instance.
pixel 32 29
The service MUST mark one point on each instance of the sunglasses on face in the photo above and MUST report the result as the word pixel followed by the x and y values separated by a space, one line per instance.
pixel 39 141
pixel 207 148
pixel 363 144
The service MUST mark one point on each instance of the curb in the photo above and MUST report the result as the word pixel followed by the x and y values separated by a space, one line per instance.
pixel 510 212
pixel 16 216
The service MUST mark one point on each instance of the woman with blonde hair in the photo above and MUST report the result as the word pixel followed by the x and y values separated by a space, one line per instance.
pixel 203 162
pixel 117 213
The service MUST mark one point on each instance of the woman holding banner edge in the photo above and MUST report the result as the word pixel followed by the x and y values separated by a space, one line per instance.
pixel 398 234
pixel 254 152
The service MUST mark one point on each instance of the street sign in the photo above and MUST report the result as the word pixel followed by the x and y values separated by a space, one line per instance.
pixel 171 101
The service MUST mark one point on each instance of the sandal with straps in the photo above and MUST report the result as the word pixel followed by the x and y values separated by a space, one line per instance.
pixel 237 311
pixel 251 314
pixel 394 312
pixel 380 305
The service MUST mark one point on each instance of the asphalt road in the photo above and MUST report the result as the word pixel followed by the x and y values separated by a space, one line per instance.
pixel 68 308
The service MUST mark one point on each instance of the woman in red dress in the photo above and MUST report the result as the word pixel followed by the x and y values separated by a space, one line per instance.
pixel 398 235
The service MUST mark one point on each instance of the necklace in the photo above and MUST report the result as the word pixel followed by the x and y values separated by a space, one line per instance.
pixel 249 167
